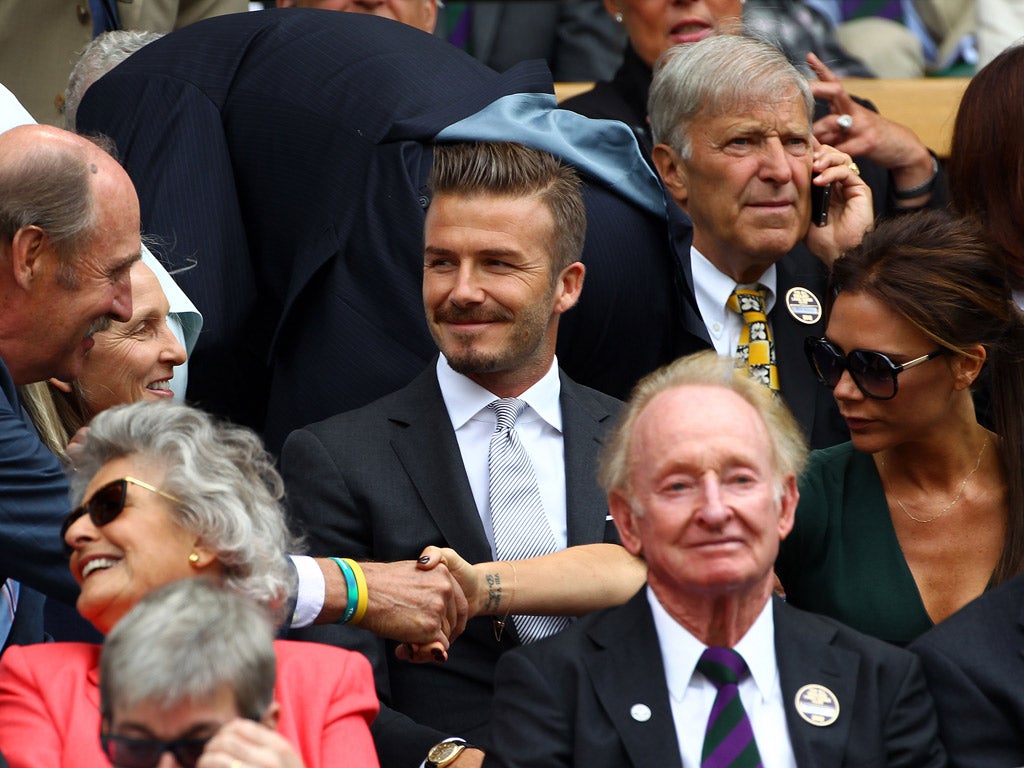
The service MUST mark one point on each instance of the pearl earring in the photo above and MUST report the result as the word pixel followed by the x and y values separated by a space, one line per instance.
pixel 618 17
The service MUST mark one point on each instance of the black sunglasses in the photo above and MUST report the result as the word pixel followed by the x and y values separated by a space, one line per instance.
pixel 107 503
pixel 128 752
pixel 872 372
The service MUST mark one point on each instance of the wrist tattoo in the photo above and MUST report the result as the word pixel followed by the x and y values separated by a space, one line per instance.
pixel 493 592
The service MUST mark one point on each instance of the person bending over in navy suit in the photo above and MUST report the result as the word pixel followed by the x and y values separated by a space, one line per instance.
pixel 731 120
pixel 703 664
pixel 307 254
pixel 429 464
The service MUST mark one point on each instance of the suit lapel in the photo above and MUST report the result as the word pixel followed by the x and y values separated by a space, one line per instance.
pixel 681 236
pixel 584 421
pixel 626 671
pixel 806 656
pixel 799 387
pixel 429 452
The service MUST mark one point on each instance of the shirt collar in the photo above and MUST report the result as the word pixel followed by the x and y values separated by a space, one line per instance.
pixel 465 399
pixel 681 651
pixel 713 287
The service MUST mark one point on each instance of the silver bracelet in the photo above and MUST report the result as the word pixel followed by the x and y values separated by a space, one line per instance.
pixel 920 189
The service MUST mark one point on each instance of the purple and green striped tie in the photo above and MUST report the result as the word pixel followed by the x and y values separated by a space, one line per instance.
pixel 729 739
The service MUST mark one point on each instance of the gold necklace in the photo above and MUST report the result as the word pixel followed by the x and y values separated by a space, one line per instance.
pixel 956 498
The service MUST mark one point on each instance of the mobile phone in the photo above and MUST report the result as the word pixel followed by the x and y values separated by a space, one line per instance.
pixel 819 204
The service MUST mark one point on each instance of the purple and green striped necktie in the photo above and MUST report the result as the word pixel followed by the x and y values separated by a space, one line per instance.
pixel 729 739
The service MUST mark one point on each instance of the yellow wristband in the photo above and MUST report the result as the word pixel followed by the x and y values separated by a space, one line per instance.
pixel 357 570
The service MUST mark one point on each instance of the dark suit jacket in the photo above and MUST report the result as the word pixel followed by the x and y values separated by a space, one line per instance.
pixel 974 662
pixel 385 481
pixel 33 505
pixel 567 701
pixel 283 155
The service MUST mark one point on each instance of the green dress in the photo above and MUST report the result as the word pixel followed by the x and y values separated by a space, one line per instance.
pixel 842 558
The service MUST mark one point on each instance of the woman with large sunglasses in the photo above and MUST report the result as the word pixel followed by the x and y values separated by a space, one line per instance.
pixel 924 509
pixel 168 493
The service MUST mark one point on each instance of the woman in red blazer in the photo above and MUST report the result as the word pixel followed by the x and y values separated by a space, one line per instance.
pixel 171 494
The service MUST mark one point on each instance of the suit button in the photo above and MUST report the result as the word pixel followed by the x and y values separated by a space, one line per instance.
pixel 83 14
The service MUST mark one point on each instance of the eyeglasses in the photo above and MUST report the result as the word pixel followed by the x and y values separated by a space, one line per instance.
pixel 872 372
pixel 107 503
pixel 127 752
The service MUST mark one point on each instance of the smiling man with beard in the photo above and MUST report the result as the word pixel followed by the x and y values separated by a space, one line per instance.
pixel 429 464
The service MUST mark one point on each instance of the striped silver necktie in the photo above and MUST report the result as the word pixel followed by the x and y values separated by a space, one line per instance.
pixel 521 529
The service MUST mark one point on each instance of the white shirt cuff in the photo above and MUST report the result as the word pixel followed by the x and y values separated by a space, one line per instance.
pixel 311 593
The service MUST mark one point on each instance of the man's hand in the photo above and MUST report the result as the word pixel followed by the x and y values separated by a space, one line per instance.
pixel 471 585
pixel 850 212
pixel 471 579
pixel 888 144
pixel 243 742
pixel 405 603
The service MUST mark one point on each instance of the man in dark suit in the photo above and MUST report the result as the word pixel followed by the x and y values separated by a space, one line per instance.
pixel 974 662
pixel 732 119
pixel 503 236
pixel 701 480
pixel 283 155
pixel 69 233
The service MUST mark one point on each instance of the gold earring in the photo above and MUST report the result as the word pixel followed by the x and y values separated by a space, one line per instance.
pixel 193 558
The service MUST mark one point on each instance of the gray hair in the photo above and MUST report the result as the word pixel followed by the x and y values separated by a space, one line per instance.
pixel 707 368
pixel 100 56
pixel 229 491
pixel 182 643
pixel 50 188
pixel 717 76
pixel 508 169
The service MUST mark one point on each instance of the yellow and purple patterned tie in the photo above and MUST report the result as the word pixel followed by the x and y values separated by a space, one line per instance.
pixel 729 739
pixel 755 350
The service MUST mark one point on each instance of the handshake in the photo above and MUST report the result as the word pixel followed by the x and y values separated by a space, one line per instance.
pixel 425 603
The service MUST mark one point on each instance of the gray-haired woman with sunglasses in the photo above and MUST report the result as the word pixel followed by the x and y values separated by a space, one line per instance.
pixel 167 493
pixel 924 509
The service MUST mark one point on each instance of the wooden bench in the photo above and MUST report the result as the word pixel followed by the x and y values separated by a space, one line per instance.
pixel 927 105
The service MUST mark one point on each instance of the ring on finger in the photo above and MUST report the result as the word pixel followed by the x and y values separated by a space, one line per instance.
pixel 845 122
pixel 853 167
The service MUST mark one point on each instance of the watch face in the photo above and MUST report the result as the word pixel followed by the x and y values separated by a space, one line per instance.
pixel 445 751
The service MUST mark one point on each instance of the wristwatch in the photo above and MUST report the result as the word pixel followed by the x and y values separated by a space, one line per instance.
pixel 444 753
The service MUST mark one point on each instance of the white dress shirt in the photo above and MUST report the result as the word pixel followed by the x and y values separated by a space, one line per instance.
pixel 692 695
pixel 540 431
pixel 712 289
